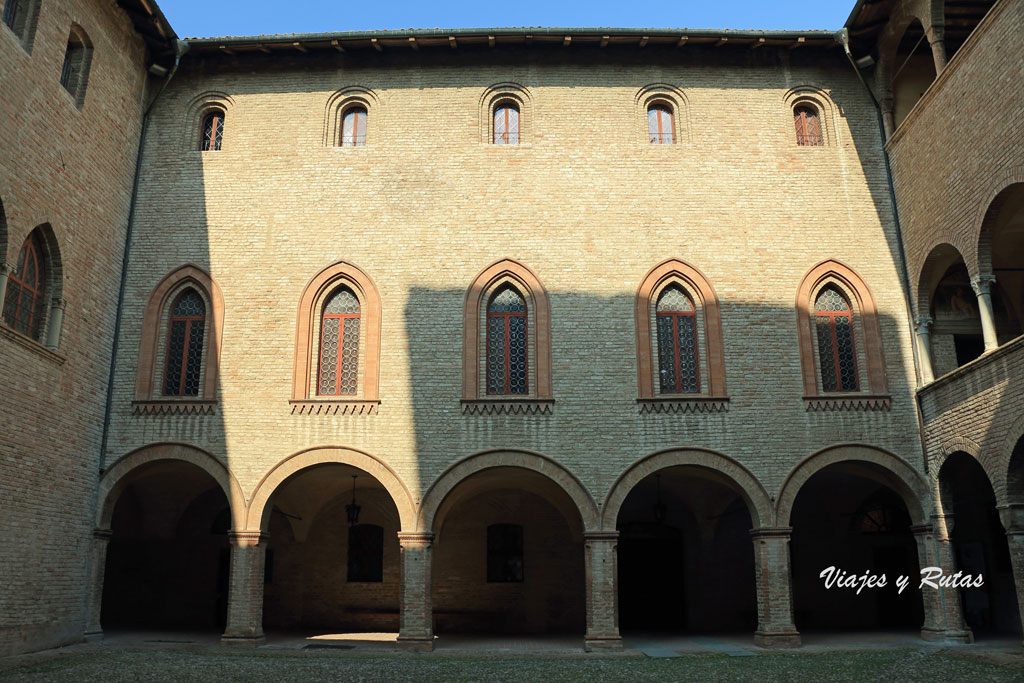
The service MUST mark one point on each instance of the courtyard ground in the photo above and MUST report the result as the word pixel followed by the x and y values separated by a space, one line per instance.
pixel 174 657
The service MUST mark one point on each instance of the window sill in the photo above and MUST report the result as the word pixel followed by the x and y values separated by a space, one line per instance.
pixel 32 345
pixel 848 402
pixel 683 404
pixel 354 406
pixel 174 406
pixel 508 406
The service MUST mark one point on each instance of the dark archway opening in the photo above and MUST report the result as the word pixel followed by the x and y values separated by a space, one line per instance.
pixel 327 571
pixel 686 559
pixel 168 559
pixel 980 547
pixel 913 71
pixel 845 517
pixel 508 557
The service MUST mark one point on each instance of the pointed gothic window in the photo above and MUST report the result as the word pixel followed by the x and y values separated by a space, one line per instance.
pixel 837 359
pixel 23 305
pixel 339 345
pixel 507 342
pixel 185 333
pixel 677 343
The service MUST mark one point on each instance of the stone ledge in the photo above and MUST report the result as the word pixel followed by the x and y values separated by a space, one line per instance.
pixel 343 407
pixel 850 402
pixel 680 404
pixel 174 407
pixel 514 406
pixel 32 345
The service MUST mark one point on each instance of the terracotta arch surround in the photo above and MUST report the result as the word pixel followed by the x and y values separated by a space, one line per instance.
pixel 873 378
pixel 537 301
pixel 350 275
pixel 152 323
pixel 697 283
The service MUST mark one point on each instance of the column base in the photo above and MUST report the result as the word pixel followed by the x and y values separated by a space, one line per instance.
pixel 92 636
pixel 416 643
pixel 243 641
pixel 777 639
pixel 964 637
pixel 603 643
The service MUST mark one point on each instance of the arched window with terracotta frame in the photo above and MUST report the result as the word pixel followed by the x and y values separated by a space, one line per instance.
pixel 24 304
pixel 506 318
pixel 675 303
pixel 340 299
pixel 857 376
pixel 180 342
pixel 807 121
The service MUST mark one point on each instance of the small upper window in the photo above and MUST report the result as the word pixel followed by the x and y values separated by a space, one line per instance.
pixel 506 124
pixel 833 322
pixel 339 345
pixel 213 131
pixel 20 16
pixel 75 73
pixel 659 124
pixel 185 333
pixel 808 126
pixel 677 343
pixel 353 128
pixel 23 304
pixel 506 343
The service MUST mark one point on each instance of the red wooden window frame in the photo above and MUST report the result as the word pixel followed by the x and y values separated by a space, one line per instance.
pixel 508 344
pixel 675 316
pixel 215 140
pixel 189 320
pixel 341 318
pixel 831 316
pixel 506 137
pixel 355 140
pixel 666 129
pixel 35 289
pixel 807 121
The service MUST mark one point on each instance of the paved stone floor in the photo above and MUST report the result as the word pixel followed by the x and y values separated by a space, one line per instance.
pixel 162 656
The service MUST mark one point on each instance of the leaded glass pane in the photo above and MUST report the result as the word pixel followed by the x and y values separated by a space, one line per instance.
pixel 826 353
pixel 343 302
pixel 674 299
pixel 666 355
pixel 496 355
pixel 847 362
pixel 506 125
pixel 349 357
pixel 11 301
pixel 507 300
pixel 688 382
pixel 517 354
pixel 193 363
pixel 328 379
pixel 830 300
pixel 25 312
pixel 190 304
pixel 29 274
pixel 175 353
pixel 513 126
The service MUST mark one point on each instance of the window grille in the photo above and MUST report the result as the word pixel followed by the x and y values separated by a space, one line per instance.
pixel 808 127
pixel 339 345
pixel 213 131
pixel 353 128
pixel 507 343
pixel 506 124
pixel 23 304
pixel 837 358
pixel 660 125
pixel 185 345
pixel 677 343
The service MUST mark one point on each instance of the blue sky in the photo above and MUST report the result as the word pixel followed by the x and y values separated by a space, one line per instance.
pixel 249 17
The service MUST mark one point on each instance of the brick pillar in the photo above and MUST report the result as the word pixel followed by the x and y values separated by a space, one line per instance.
pixel 602 577
pixel 981 286
pixel 245 592
pixel 934 627
pixel 924 348
pixel 416 623
pixel 949 598
pixel 1012 517
pixel 94 599
pixel 775 627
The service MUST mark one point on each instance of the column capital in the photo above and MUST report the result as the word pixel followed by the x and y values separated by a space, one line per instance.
pixel 1012 518
pixel 922 529
pixel 59 302
pixel 416 539
pixel 248 538
pixel 5 267
pixel 981 283
pixel 922 323
pixel 102 534
pixel 603 535
pixel 772 532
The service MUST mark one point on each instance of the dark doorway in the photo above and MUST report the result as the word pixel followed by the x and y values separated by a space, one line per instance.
pixel 651 588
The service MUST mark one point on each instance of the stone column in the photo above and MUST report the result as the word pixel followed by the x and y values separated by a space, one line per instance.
pixel 981 286
pixel 936 38
pixel 888 119
pixel 943 556
pixel 55 323
pixel 245 592
pixel 924 348
pixel 1012 517
pixel 775 627
pixel 5 269
pixel 94 604
pixel 602 577
pixel 416 623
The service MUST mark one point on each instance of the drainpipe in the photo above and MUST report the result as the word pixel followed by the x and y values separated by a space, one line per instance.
pixel 181 47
